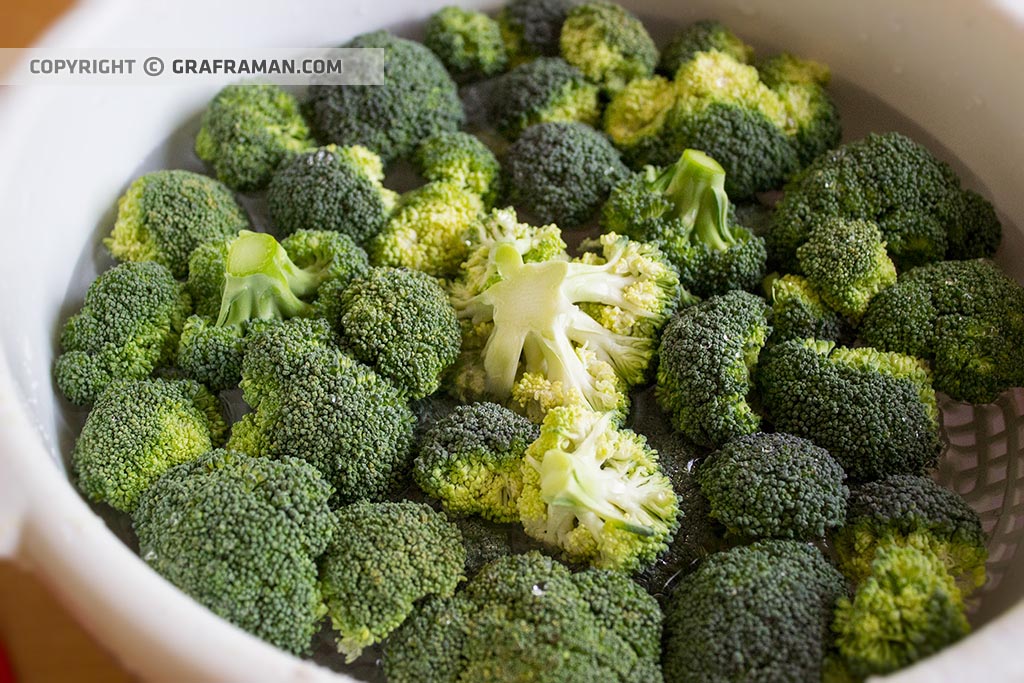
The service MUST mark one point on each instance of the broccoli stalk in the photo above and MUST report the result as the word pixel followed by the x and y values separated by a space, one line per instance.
pixel 696 187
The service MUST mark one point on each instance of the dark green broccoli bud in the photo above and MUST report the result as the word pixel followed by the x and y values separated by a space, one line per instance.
pixel 874 412
pixel 486 541
pixel 800 84
pixel 708 352
pixel 846 263
pixel 165 215
pixel 906 609
pixel 399 322
pixel 205 284
pixel 526 617
pixel 330 188
pixel 608 44
pixel 912 511
pixel 128 326
pixel 247 131
pixel 596 492
pixel 915 199
pixel 531 28
pixel 240 535
pixel 460 158
pixel 545 90
pixel 702 36
pixel 416 99
pixel 313 402
pixel 755 613
pixel 685 209
pixel 468 43
pixel 774 486
pixel 965 317
pixel 471 460
pixel 211 353
pixel 138 429
pixel 799 313
pixel 427 231
pixel 384 558
pixel 562 172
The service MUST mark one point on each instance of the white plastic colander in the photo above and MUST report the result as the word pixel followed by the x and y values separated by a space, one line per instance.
pixel 947 72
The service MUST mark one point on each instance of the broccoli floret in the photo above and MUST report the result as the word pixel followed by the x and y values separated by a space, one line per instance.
pixel 608 44
pixel 801 84
pixel 846 263
pixel 708 352
pixel 596 491
pixel 912 511
pixel 460 158
pixel 531 28
pixel 468 43
pixel 562 172
pixel 416 99
pixel 754 613
pixel 965 317
pixel 205 284
pixel 798 312
pixel 247 131
pixel 702 36
pixel 427 231
pixel 383 558
pixel 165 215
pixel 331 188
pixel 399 322
pixel 906 609
pixel 486 541
pixel 874 412
pixel 684 207
pixel 526 617
pixel 715 104
pixel 543 330
pixel 915 199
pixel 313 402
pixel 546 90
pixel 128 326
pixel 138 429
pixel 774 486
pixel 240 535
pixel 471 460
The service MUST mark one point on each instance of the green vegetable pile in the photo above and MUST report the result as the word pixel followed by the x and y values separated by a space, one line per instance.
pixel 637 383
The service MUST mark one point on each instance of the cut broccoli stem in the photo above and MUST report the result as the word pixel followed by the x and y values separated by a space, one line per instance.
pixel 696 186
pixel 262 283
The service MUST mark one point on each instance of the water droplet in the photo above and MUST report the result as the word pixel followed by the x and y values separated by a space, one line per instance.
pixel 537 591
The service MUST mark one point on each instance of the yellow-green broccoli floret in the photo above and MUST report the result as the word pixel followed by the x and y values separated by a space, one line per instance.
pixel 468 43
pixel 463 159
pixel 702 36
pixel 801 85
pixel 798 312
pixel 544 90
pixel 608 44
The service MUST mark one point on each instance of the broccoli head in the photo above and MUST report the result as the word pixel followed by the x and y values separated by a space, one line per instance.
pixel 330 188
pixel 702 36
pixel 468 43
pixel 164 215
pixel 846 262
pixel 706 358
pixel 531 28
pixel 399 322
pixel 905 609
pixel 471 460
pixel 241 535
pixel 528 618
pixel 247 131
pixel 798 312
pixel 756 613
pixel 460 158
pixel 561 172
pixel 800 84
pixel 608 44
pixel 137 430
pixel 874 412
pixel 915 199
pixel 774 486
pixel 684 207
pixel 313 402
pixel 383 558
pixel 913 511
pixel 965 317
pixel 596 492
pixel 128 326
pixel 545 90
pixel 416 99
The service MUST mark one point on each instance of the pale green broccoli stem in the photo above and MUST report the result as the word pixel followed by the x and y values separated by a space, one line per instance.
pixel 696 186
pixel 262 283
